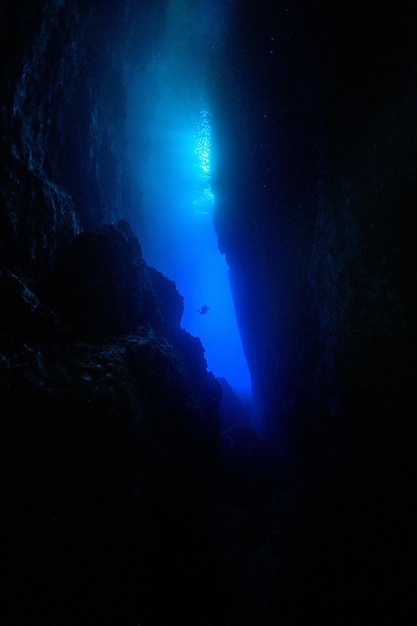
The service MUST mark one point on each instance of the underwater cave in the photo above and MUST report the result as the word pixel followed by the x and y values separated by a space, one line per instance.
pixel 208 304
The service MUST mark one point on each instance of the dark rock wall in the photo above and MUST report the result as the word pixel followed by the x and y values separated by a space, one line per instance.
pixel 317 195
pixel 317 216
pixel 267 187
pixel 110 442
pixel 64 165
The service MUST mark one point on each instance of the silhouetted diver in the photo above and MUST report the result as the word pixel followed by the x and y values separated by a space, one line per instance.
pixel 204 309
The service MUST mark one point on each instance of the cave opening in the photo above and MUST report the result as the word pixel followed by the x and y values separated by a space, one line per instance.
pixel 169 130
pixel 130 496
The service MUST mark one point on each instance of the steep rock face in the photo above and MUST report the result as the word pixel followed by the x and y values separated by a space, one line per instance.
pixel 317 188
pixel 317 217
pixel 63 114
pixel 110 441
pixel 37 218
pixel 268 128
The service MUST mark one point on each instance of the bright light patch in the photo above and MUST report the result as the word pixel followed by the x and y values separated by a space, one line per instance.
pixel 202 145
pixel 171 149
pixel 204 197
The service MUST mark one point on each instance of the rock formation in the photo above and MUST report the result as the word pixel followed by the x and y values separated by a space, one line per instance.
pixel 125 501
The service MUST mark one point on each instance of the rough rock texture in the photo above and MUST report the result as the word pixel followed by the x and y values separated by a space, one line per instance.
pixel 101 286
pixel 110 441
pixel 62 116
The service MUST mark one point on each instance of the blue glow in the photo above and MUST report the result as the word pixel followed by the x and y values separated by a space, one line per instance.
pixel 202 146
pixel 204 197
pixel 170 123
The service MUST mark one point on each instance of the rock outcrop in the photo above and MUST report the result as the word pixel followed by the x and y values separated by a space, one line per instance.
pixel 125 503
pixel 111 435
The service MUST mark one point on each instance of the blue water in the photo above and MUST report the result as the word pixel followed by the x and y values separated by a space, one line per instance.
pixel 169 128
